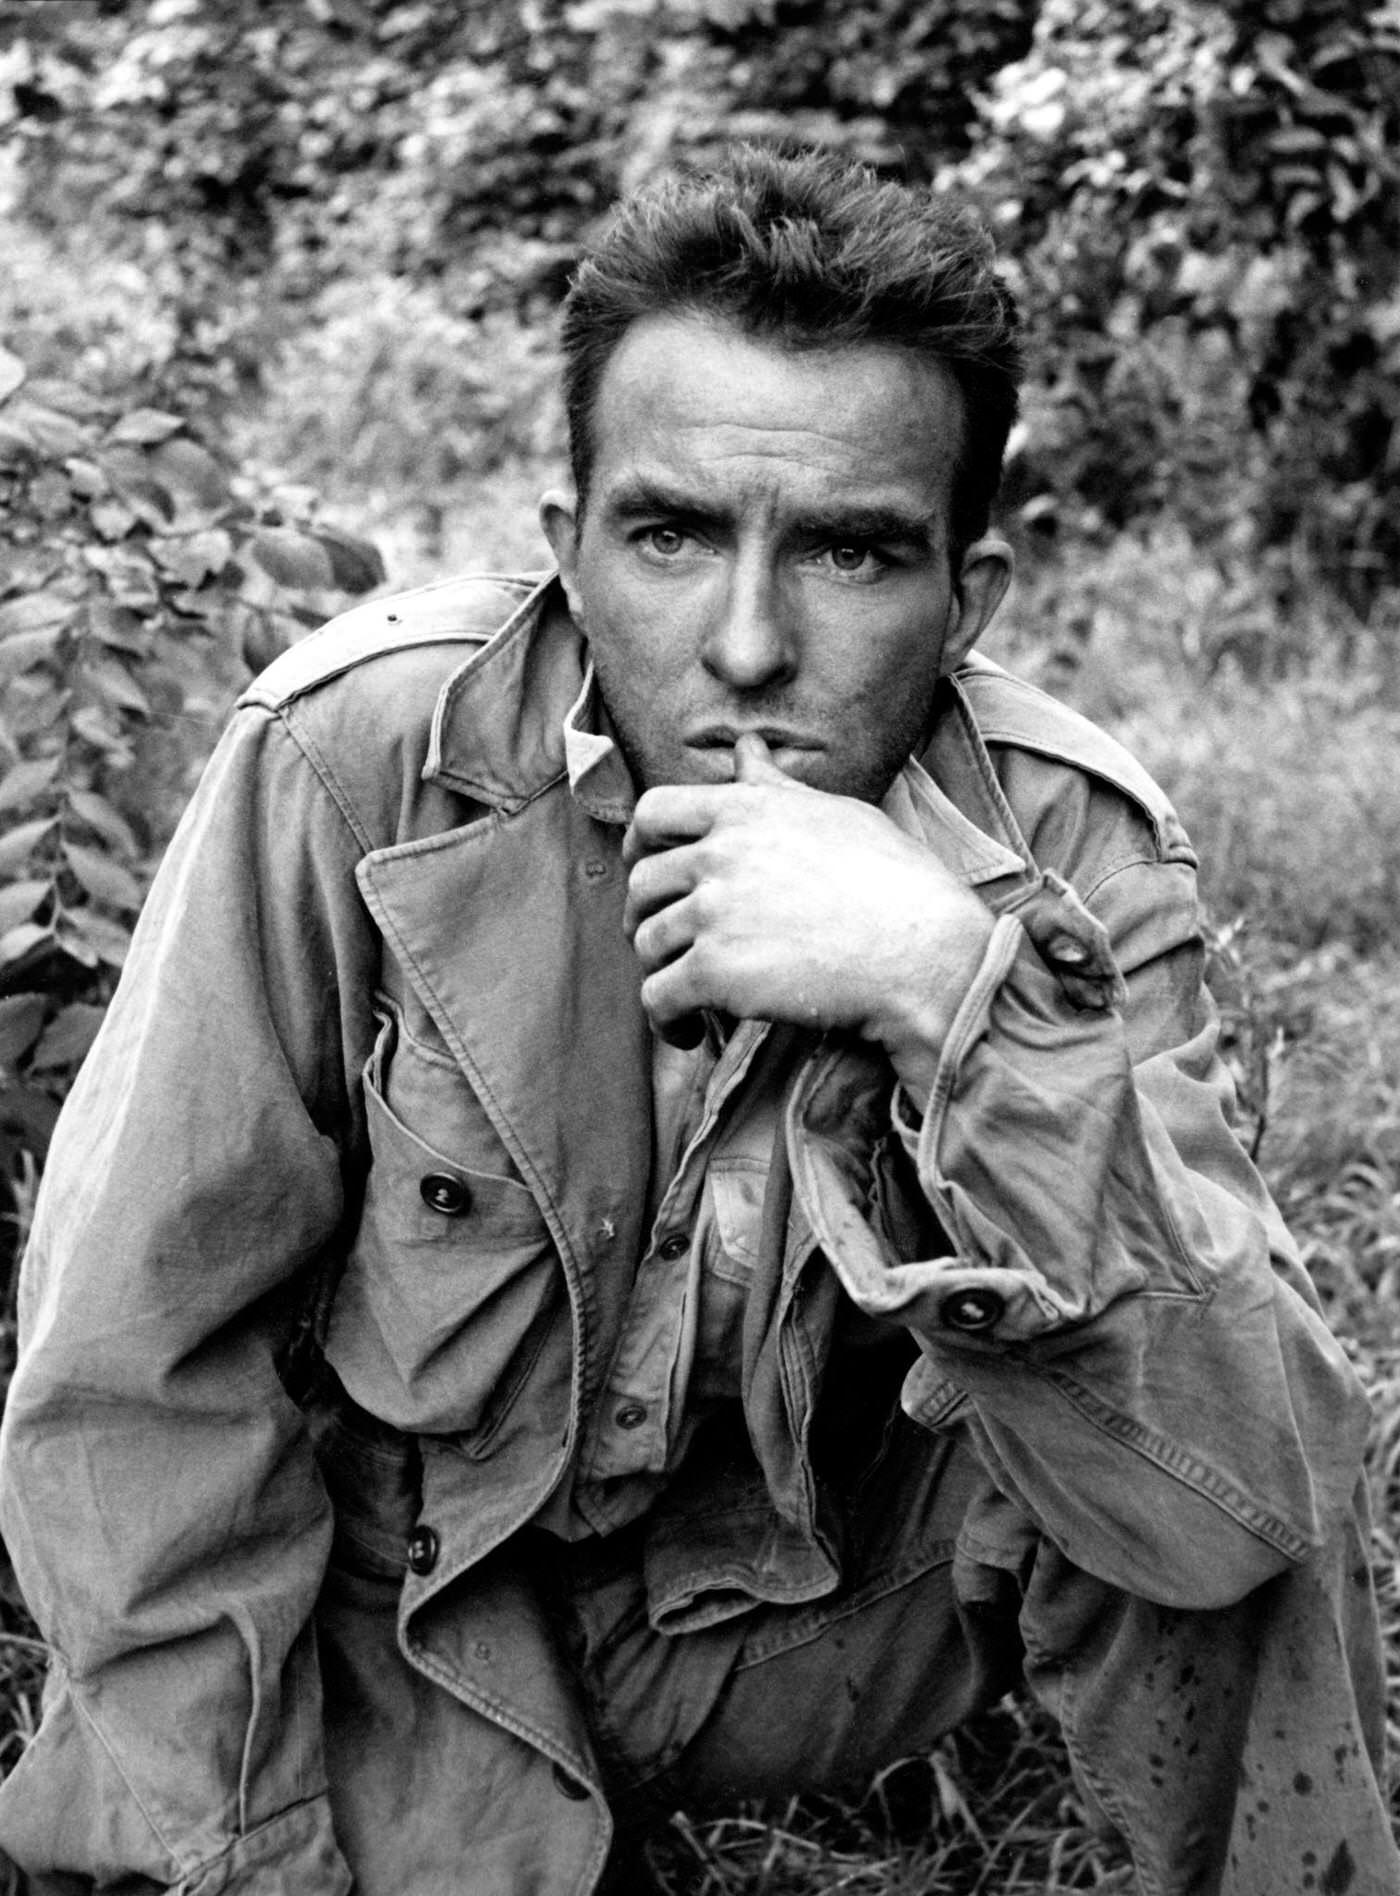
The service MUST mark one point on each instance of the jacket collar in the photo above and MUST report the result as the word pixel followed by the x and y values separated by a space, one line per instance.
pixel 524 712
pixel 497 731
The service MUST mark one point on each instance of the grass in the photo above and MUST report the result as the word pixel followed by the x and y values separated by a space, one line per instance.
pixel 991 1812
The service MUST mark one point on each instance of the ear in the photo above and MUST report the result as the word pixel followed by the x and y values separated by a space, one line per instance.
pixel 559 520
pixel 981 586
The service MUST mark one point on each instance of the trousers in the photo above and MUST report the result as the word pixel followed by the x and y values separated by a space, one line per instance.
pixel 1236 1751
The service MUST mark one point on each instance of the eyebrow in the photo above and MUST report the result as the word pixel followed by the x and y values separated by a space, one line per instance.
pixel 868 523
pixel 644 498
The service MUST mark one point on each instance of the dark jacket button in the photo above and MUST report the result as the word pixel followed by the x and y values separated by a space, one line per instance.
pixel 570 1786
pixel 441 1192
pixel 422 1550
pixel 972 1310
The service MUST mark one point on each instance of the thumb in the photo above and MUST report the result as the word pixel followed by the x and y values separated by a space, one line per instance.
pixel 753 762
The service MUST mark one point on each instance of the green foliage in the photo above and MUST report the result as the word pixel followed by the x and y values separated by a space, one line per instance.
pixel 140 573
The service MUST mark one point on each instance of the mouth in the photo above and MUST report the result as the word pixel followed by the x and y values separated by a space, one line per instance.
pixel 726 736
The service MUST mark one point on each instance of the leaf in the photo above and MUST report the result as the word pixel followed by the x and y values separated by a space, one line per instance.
pixel 99 815
pixel 293 559
pixel 112 518
pixel 17 943
pixel 68 1036
pixel 143 426
pixel 30 1111
pixel 21 1017
pixel 16 448
pixel 26 781
pixel 190 472
pixel 105 880
pixel 36 612
pixel 19 843
pixel 108 938
pixel 47 431
pixel 150 501
pixel 12 374
pixel 91 725
pixel 116 626
pixel 25 650
pixel 68 397
pixel 355 564
pixel 86 476
pixel 193 560
pixel 18 902
pixel 115 683
pixel 73 939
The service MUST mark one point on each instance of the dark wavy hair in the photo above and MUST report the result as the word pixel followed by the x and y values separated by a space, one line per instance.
pixel 815 252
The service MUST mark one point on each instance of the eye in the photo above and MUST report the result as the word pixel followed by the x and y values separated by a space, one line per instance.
pixel 662 541
pixel 855 559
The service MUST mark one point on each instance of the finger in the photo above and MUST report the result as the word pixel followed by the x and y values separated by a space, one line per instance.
pixel 655 880
pixel 754 763
pixel 663 937
pixel 671 815
pixel 673 1002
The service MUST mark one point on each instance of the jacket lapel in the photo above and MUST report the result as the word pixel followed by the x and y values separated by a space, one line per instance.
pixel 510 930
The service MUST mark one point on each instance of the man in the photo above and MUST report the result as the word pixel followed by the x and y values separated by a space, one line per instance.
pixel 652 1221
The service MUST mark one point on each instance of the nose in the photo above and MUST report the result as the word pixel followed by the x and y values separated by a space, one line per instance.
pixel 751 641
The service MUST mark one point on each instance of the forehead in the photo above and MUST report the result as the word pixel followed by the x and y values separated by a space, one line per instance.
pixel 700 399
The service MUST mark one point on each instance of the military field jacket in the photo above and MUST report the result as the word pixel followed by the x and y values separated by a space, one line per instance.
pixel 379 1051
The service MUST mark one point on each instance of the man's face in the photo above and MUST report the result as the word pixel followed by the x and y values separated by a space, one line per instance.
pixel 765 548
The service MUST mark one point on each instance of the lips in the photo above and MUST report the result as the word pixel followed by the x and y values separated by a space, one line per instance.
pixel 726 736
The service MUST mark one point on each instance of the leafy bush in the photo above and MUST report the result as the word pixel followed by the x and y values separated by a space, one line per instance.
pixel 406 410
pixel 1203 202
pixel 142 574
pixel 1200 200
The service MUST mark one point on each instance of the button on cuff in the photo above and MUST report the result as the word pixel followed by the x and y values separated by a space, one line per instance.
pixel 972 1310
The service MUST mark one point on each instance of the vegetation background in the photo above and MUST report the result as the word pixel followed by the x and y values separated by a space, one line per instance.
pixel 276 327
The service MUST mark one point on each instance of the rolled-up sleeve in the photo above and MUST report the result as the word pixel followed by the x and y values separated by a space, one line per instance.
pixel 1116 1313
pixel 160 1497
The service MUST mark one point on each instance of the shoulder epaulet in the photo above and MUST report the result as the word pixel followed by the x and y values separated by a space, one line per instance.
pixel 466 610
pixel 1009 711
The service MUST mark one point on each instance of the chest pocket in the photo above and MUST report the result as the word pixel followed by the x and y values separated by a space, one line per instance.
pixel 452 1284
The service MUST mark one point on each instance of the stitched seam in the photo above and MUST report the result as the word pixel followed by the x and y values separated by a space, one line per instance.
pixel 428 1055
pixel 880 1587
pixel 1175 1461
pixel 500 1714
pixel 1148 1884
pixel 1116 867
pixel 326 776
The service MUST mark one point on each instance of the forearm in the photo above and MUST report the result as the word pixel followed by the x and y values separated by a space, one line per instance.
pixel 1116 1296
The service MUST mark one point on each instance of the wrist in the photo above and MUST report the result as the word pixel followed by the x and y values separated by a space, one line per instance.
pixel 914 1020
